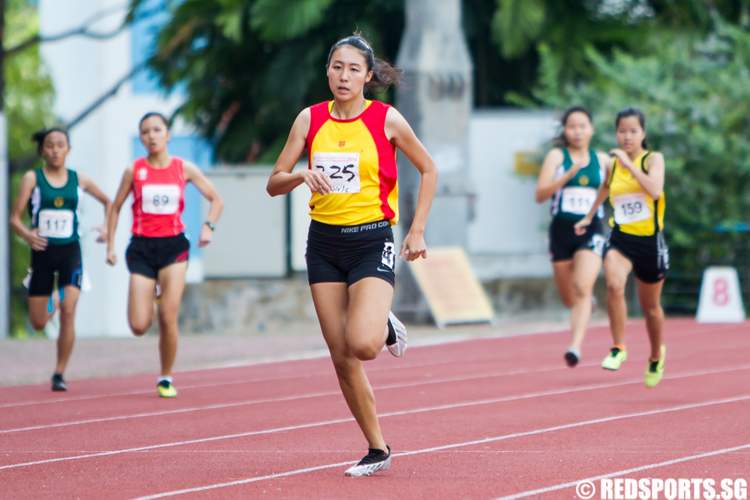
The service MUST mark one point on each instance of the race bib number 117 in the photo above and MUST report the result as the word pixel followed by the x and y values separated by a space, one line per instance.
pixel 55 223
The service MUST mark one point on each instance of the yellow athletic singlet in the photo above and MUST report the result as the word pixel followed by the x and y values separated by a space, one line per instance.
pixel 635 211
pixel 360 162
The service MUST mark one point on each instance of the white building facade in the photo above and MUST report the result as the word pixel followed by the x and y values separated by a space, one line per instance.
pixel 103 144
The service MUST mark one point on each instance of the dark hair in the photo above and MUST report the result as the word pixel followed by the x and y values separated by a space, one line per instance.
pixel 628 112
pixel 151 114
pixel 40 135
pixel 383 74
pixel 561 140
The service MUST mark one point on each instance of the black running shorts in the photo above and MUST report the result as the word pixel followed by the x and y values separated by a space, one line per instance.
pixel 648 254
pixel 346 254
pixel 564 242
pixel 65 260
pixel 147 256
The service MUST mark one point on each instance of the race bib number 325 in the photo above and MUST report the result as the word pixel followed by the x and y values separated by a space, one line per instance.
pixel 342 169
pixel 56 223
pixel 160 198
pixel 631 208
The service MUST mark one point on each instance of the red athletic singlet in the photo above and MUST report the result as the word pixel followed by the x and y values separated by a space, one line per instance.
pixel 158 199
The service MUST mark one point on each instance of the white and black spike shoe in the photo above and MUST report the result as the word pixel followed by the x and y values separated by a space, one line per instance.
pixel 375 461
pixel 397 340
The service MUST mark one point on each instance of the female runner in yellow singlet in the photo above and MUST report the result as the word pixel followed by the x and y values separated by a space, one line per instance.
pixel 351 144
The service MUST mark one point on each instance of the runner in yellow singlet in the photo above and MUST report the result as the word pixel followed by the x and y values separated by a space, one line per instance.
pixel 636 192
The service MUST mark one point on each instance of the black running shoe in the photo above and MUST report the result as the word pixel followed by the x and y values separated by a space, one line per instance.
pixel 58 382
pixel 572 357
pixel 375 460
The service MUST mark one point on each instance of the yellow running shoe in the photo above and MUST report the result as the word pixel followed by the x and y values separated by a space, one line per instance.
pixel 614 359
pixel 655 369
pixel 166 389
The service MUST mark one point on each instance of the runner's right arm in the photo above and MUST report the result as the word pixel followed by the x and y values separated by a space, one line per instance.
pixel 126 184
pixel 546 184
pixel 603 194
pixel 282 179
pixel 31 236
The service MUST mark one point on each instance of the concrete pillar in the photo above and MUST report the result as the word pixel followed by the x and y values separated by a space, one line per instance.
pixel 436 98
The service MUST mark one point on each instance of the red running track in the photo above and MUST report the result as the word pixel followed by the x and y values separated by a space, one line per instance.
pixel 485 418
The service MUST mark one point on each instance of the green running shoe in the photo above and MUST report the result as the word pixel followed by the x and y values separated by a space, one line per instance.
pixel 166 389
pixel 655 369
pixel 614 359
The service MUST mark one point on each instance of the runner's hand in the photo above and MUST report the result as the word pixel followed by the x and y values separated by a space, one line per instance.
pixel 206 236
pixel 414 247
pixel 317 181
pixel 623 157
pixel 111 257
pixel 35 241
pixel 581 225
pixel 102 237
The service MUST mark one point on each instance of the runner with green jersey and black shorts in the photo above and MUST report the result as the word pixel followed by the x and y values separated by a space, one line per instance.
pixel 571 176
pixel 51 195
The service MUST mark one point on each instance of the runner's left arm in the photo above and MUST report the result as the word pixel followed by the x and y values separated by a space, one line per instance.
pixel 91 188
pixel 651 181
pixel 209 192
pixel 397 130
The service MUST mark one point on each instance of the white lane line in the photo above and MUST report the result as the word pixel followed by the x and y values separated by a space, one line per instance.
pixel 218 406
pixel 140 392
pixel 666 463
pixel 312 375
pixel 492 439
pixel 324 423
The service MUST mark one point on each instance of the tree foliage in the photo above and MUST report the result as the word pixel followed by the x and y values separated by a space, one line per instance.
pixel 248 67
pixel 28 103
pixel 695 93
pixel 523 28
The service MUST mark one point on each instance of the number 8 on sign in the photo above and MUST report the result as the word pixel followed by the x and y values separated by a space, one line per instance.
pixel 721 292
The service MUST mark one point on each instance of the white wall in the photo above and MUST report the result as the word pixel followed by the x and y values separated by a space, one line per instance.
pixel 82 69
pixel 251 239
pixel 508 237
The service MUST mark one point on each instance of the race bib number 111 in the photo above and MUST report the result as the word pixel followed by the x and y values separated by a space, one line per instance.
pixel 578 200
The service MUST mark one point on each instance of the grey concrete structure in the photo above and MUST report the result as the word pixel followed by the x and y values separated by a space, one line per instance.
pixel 436 99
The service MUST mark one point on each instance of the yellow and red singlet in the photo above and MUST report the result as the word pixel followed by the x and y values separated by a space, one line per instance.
pixel 360 162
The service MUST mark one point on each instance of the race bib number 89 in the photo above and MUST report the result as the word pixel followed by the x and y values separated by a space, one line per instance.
pixel 55 223
pixel 342 169
pixel 631 208
pixel 160 198
pixel 578 200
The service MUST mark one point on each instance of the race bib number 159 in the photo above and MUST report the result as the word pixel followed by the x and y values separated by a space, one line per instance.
pixel 342 169
pixel 631 208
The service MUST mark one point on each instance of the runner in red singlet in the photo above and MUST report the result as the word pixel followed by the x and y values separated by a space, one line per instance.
pixel 158 250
